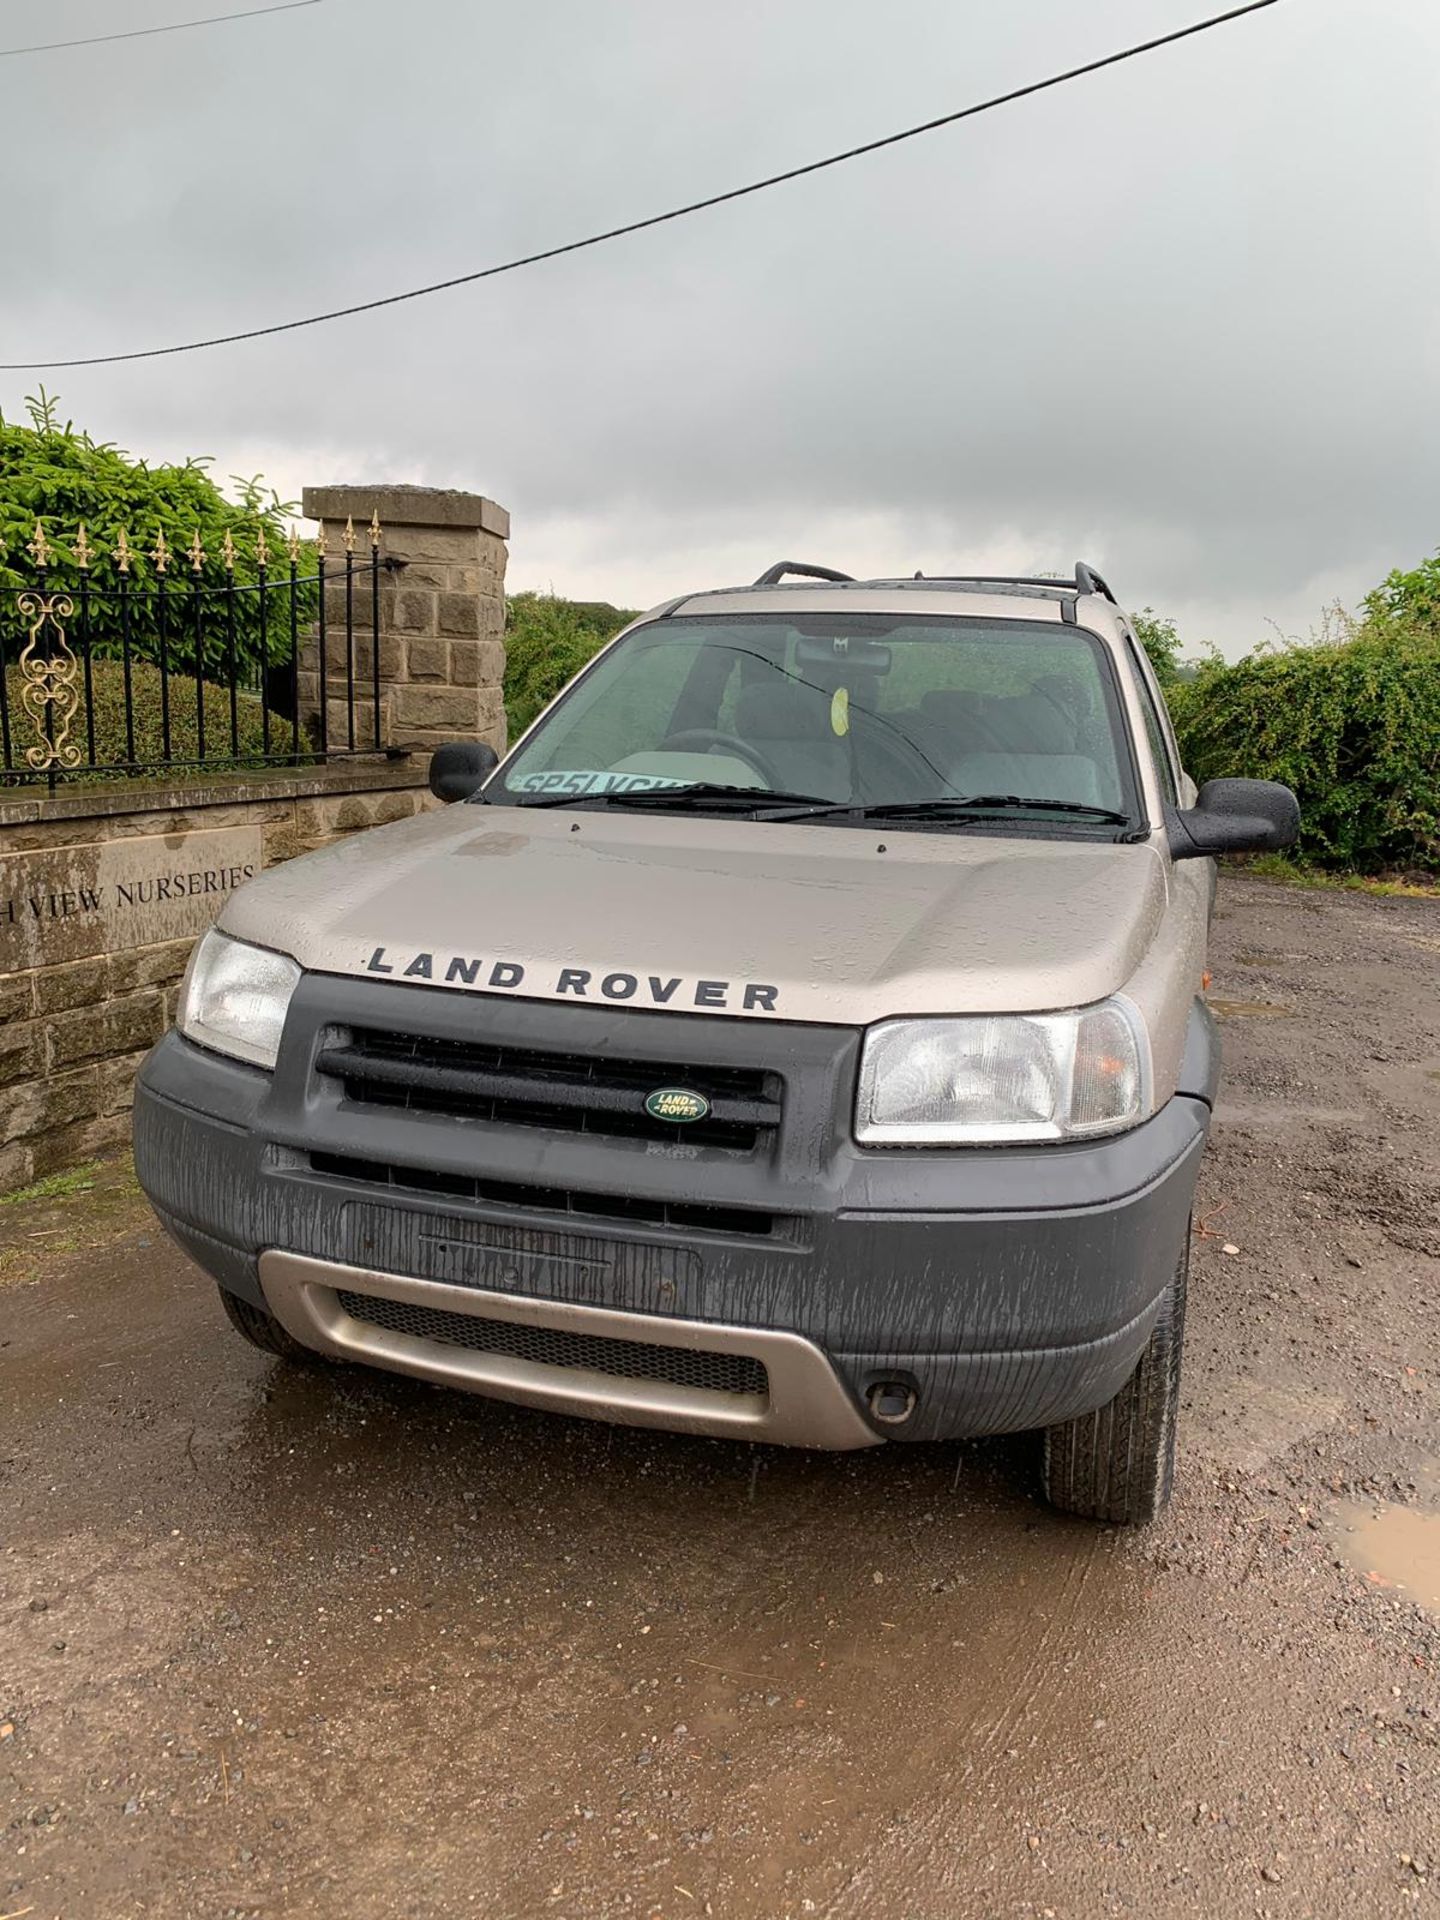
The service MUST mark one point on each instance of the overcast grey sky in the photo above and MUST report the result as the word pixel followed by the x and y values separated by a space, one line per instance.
pixel 1178 318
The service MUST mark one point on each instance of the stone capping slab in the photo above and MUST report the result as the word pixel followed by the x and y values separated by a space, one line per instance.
pixel 215 790
pixel 407 507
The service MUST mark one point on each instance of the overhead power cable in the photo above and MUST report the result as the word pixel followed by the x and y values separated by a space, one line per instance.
pixel 655 219
pixel 143 33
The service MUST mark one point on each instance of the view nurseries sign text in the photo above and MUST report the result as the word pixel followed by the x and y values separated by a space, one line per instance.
pixel 151 890
pixel 61 904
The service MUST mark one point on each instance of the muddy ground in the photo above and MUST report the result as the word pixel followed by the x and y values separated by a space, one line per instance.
pixel 323 1643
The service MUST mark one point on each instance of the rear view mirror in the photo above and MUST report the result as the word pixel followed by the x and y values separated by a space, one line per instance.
pixel 843 652
pixel 457 770
pixel 1234 816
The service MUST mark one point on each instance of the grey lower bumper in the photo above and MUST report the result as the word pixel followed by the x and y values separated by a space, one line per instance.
pixel 803 1404
pixel 1002 1289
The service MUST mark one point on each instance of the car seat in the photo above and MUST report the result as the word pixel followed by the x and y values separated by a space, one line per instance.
pixel 788 722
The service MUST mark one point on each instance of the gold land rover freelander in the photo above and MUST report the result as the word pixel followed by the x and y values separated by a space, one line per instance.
pixel 796 1037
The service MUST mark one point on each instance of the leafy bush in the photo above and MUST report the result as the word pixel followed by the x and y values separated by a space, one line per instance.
pixel 1160 640
pixel 1352 724
pixel 111 746
pixel 547 641
pixel 53 473
pixel 1407 599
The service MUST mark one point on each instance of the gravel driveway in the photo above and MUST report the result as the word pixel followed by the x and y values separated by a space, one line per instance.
pixel 317 1643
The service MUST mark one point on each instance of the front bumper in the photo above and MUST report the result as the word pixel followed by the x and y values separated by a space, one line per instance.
pixel 994 1289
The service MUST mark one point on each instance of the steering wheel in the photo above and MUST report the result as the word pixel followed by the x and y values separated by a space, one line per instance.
pixel 708 739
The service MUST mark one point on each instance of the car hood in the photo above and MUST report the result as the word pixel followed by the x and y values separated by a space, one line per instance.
pixel 801 922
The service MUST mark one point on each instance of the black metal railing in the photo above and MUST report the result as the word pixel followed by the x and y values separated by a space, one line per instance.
pixel 118 664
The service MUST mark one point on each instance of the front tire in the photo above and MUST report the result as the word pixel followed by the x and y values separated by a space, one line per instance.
pixel 1118 1463
pixel 262 1329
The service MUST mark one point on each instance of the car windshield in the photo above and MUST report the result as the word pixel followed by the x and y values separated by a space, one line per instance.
pixel 851 710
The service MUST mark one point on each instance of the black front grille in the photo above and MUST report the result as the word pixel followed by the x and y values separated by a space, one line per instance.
pixel 584 1206
pixel 523 1087
pixel 552 1347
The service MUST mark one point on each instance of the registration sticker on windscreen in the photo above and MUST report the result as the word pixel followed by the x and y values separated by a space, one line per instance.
pixel 592 780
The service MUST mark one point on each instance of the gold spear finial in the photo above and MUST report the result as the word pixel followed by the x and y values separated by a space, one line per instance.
pixel 375 529
pixel 122 551
pixel 161 553
pixel 292 544
pixel 320 540
pixel 40 547
pixel 82 549
pixel 262 552
pixel 349 534
pixel 227 552
pixel 196 552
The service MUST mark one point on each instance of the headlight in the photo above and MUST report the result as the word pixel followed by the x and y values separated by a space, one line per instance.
pixel 234 998
pixel 994 1077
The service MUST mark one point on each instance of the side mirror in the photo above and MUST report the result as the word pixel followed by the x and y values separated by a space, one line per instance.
pixel 1234 816
pixel 457 771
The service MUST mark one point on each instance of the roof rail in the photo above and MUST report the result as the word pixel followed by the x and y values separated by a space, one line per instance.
pixel 1087 580
pixel 772 576
pixel 1000 580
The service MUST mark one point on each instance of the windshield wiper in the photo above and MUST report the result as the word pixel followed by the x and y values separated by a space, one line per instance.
pixel 699 794
pixel 704 796
pixel 967 806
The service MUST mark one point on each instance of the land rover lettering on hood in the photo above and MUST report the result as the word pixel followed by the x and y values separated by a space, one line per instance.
pixel 798 1036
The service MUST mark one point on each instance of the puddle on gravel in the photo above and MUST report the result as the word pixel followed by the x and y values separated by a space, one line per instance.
pixel 1395 1547
pixel 1259 1009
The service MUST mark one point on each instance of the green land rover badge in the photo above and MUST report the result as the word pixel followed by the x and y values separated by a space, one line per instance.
pixel 676 1104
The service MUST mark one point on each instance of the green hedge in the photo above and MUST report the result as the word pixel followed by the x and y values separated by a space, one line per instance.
pixel 1353 726
pixel 53 472
pixel 547 641
pixel 108 679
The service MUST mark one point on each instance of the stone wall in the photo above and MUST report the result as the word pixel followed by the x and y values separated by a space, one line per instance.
pixel 102 895
pixel 442 616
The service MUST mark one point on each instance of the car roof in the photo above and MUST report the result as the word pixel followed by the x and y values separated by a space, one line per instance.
pixel 976 599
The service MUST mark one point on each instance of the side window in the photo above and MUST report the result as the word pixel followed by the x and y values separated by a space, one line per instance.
pixel 1156 730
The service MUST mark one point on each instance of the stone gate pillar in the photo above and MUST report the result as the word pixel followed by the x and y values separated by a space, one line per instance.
pixel 442 616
